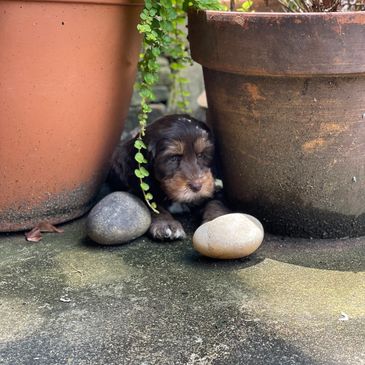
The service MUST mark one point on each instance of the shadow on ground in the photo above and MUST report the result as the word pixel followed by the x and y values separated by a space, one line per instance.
pixel 66 300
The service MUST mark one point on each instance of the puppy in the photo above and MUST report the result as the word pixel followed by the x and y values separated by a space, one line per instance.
pixel 180 154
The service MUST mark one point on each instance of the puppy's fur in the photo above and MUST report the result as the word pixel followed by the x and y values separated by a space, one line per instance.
pixel 180 161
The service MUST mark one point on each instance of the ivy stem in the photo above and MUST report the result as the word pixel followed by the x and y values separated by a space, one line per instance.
pixel 145 195
pixel 148 201
pixel 159 25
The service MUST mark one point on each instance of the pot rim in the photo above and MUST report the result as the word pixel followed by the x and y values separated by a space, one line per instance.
pixel 95 2
pixel 267 14
pixel 321 44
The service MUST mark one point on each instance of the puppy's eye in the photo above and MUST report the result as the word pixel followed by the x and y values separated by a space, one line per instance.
pixel 200 156
pixel 175 158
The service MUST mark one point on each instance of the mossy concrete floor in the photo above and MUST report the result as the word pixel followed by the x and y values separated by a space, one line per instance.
pixel 66 300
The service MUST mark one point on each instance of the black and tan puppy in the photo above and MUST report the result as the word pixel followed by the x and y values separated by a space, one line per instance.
pixel 180 162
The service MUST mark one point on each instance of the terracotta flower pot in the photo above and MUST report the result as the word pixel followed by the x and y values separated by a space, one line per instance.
pixel 287 104
pixel 66 76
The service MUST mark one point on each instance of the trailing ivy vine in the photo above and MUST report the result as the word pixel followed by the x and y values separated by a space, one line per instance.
pixel 161 25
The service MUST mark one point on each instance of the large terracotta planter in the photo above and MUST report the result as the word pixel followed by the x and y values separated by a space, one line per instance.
pixel 286 96
pixel 66 76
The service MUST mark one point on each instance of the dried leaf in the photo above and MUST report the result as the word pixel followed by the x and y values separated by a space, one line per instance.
pixel 48 227
pixel 34 235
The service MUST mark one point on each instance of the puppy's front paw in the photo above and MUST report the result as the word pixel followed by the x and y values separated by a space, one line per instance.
pixel 163 230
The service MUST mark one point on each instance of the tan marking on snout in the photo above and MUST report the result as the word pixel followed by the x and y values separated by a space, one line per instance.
pixel 177 188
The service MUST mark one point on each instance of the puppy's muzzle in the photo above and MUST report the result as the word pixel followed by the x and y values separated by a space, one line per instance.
pixel 195 185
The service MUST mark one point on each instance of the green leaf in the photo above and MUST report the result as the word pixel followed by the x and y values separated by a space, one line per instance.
pixel 151 36
pixel 146 108
pixel 152 12
pixel 144 172
pixel 153 65
pixel 144 186
pixel 147 94
pixel 246 5
pixel 138 173
pixel 176 66
pixel 139 157
pixel 149 78
pixel 181 105
pixel 156 52
pixel 144 28
pixel 142 119
pixel 139 144
pixel 148 196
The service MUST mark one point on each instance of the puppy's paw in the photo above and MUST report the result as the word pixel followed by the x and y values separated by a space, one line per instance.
pixel 164 230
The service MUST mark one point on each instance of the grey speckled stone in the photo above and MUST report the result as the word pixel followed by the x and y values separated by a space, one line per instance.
pixel 119 217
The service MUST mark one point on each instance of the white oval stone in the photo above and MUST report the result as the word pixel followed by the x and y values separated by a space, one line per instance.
pixel 230 236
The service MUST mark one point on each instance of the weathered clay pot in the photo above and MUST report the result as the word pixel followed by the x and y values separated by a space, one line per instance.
pixel 287 104
pixel 66 76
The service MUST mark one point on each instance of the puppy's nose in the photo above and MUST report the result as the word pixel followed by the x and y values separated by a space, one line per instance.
pixel 195 186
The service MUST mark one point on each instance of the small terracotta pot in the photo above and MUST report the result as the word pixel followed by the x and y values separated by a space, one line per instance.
pixel 66 76
pixel 287 104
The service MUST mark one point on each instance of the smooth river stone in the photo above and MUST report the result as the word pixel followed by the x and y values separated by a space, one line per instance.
pixel 229 236
pixel 118 218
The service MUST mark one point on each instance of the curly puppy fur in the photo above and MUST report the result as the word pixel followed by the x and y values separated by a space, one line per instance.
pixel 180 161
